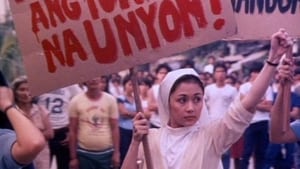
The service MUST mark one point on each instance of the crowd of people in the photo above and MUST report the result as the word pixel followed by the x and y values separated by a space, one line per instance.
pixel 193 119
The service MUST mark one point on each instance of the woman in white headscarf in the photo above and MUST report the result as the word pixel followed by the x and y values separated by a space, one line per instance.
pixel 188 139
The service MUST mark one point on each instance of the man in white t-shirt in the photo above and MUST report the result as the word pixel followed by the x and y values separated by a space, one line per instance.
pixel 256 135
pixel 218 96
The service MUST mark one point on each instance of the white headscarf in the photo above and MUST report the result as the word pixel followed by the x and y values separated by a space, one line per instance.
pixel 175 140
pixel 164 94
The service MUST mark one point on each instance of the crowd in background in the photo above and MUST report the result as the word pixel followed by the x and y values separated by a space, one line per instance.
pixel 63 118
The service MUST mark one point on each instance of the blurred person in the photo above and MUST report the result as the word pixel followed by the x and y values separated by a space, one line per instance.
pixel 230 80
pixel 141 72
pixel 202 77
pixel 235 74
pixel 280 156
pixel 236 148
pixel 160 72
pixel 218 97
pixel 236 151
pixel 228 65
pixel 238 84
pixel 127 110
pixel 105 82
pixel 256 136
pixel 188 63
pixel 115 85
pixel 94 130
pixel 295 111
pixel 295 115
pixel 288 136
pixel 57 103
pixel 35 113
pixel 209 78
pixel 144 87
pixel 18 149
pixel 296 80
pixel 209 67
pixel 150 78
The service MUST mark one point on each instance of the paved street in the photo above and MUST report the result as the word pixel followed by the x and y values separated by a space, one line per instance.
pixel 53 166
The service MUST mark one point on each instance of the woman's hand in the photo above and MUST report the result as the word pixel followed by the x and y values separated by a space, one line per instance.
pixel 286 70
pixel 280 43
pixel 140 126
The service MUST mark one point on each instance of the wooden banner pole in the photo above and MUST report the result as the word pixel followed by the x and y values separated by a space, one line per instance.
pixel 139 108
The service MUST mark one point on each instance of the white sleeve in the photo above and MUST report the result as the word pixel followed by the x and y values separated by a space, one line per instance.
pixel 230 128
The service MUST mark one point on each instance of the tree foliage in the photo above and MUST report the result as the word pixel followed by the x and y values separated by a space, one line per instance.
pixel 10 56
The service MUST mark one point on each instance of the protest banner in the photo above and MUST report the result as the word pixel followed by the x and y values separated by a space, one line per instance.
pixel 69 41
pixel 258 19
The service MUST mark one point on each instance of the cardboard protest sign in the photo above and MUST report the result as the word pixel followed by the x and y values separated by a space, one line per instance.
pixel 259 19
pixel 69 41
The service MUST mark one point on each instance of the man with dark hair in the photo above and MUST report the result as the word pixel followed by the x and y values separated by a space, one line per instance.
pixel 94 128
pixel 218 97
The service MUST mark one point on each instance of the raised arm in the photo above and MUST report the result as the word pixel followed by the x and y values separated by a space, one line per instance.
pixel 280 42
pixel 277 135
pixel 26 147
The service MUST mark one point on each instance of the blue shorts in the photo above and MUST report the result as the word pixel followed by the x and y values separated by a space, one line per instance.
pixel 95 159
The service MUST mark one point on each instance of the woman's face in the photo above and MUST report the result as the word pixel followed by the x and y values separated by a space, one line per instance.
pixel 144 88
pixel 185 105
pixel 23 94
pixel 128 87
